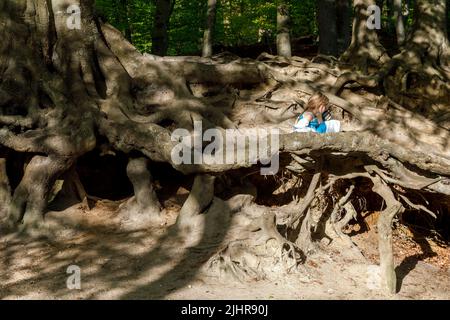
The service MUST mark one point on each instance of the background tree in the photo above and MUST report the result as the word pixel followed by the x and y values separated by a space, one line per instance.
pixel 160 35
pixel 344 24
pixel 327 21
pixel 365 48
pixel 209 30
pixel 398 18
pixel 283 30
pixel 125 16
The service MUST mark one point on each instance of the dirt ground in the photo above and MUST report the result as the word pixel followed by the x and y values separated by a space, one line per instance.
pixel 156 263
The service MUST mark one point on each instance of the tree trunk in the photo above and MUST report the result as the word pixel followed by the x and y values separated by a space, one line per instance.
pixel 125 17
pixel 425 57
pixel 160 36
pixel 343 21
pixel 283 30
pixel 365 49
pixel 327 21
pixel 430 31
pixel 208 37
pixel 399 25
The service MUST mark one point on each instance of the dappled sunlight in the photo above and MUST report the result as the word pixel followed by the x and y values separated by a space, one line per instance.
pixel 151 173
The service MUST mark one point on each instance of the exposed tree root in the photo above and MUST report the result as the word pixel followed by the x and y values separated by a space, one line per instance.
pixel 91 87
pixel 144 207
pixel 201 195
pixel 30 197
pixel 256 249
pixel 5 190
pixel 72 188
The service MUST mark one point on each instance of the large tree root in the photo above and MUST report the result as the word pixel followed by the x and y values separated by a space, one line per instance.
pixel 393 207
pixel 255 248
pixel 30 198
pixel 144 207
pixel 200 197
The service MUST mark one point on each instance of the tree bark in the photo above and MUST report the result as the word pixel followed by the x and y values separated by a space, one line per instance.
pixel 140 177
pixel 399 24
pixel 160 36
pixel 64 92
pixel 365 48
pixel 384 225
pixel 430 31
pixel 283 30
pixel 343 20
pixel 30 197
pixel 208 37
pixel 202 193
pixel 5 191
pixel 327 21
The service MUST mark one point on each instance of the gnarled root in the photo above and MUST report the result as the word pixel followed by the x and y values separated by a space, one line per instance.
pixel 5 191
pixel 385 220
pixel 200 197
pixel 255 247
pixel 144 206
pixel 31 195
pixel 343 212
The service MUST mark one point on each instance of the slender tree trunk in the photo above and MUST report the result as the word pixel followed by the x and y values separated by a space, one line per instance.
pixel 125 17
pixel 343 21
pixel 208 36
pixel 390 15
pixel 327 20
pixel 399 25
pixel 283 29
pixel 160 36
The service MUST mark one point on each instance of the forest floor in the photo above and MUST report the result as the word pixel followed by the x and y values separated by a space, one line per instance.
pixel 156 263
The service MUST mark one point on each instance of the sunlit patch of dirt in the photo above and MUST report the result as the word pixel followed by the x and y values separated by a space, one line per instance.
pixel 155 263
pixel 410 243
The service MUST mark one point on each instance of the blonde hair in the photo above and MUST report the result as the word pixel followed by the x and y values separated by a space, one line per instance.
pixel 316 101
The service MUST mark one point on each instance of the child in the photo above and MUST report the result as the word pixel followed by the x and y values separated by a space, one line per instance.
pixel 315 117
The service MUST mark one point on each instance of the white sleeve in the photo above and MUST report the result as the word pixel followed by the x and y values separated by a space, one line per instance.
pixel 302 123
pixel 333 126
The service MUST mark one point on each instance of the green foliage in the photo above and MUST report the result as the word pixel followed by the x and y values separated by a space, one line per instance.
pixel 238 22
pixel 137 14
pixel 243 22
pixel 186 27
pixel 303 16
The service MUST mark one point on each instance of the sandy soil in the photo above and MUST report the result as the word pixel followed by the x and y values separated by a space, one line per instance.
pixel 156 263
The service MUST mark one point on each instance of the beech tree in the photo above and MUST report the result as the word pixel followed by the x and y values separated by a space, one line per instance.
pixel 209 30
pixel 365 48
pixel 399 25
pixel 71 84
pixel 327 21
pixel 343 21
pixel 160 36
pixel 283 29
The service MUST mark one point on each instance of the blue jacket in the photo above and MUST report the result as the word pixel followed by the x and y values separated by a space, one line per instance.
pixel 315 125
